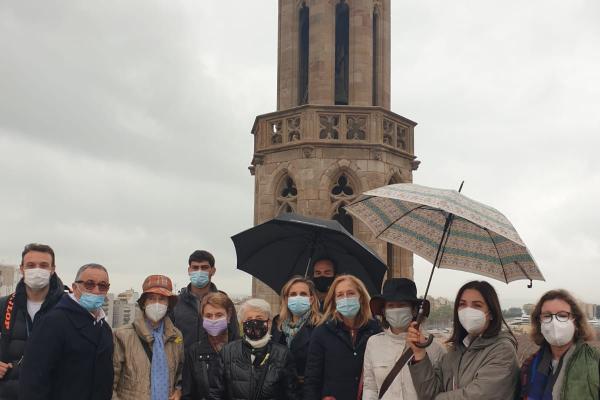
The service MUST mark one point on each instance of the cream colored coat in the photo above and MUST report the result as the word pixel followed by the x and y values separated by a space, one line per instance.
pixel 131 364
pixel 382 352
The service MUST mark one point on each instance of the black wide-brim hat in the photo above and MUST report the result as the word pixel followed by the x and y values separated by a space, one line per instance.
pixel 400 290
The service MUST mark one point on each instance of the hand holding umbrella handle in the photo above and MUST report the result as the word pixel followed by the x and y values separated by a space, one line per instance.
pixel 420 318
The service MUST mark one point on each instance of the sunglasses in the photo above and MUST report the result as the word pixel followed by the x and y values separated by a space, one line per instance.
pixel 90 285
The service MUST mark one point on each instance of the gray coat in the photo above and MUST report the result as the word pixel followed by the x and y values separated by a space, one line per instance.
pixel 487 369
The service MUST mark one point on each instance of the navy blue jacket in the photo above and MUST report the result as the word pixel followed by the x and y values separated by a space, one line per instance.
pixel 334 364
pixel 68 356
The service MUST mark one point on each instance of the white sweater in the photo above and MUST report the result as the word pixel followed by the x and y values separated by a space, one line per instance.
pixel 382 352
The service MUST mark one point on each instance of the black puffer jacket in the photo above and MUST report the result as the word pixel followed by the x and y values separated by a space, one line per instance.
pixel 186 317
pixel 14 339
pixel 334 364
pixel 201 361
pixel 238 378
pixel 300 343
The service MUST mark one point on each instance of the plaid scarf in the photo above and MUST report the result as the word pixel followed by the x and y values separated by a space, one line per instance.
pixel 290 329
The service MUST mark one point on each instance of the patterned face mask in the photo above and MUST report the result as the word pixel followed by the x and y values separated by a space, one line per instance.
pixel 255 329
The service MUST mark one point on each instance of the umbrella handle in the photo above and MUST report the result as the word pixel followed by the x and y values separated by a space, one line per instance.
pixel 425 344
pixel 420 318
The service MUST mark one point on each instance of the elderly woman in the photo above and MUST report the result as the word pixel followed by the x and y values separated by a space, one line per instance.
pixel 254 367
pixel 297 319
pixel 148 355
pixel 337 347
pixel 566 366
pixel 202 357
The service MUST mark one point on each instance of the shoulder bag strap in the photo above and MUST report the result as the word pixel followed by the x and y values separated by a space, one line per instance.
pixel 387 382
pixel 8 309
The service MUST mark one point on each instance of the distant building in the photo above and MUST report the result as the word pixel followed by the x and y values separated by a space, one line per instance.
pixel 589 310
pixel 108 307
pixel 528 308
pixel 125 308
pixel 9 277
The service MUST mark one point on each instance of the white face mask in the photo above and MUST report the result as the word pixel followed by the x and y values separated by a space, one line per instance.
pixel 558 333
pixel 36 278
pixel 399 318
pixel 472 320
pixel 156 311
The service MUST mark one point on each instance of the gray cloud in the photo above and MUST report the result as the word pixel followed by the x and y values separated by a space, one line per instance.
pixel 124 127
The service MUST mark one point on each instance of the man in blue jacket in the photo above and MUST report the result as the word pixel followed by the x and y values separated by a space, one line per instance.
pixel 69 355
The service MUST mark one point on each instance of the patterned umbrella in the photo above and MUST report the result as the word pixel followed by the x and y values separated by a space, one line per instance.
pixel 448 229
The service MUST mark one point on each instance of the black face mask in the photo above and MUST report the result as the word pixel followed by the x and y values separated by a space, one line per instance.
pixel 255 329
pixel 323 283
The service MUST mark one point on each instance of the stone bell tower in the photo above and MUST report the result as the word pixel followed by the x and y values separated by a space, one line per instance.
pixel 333 135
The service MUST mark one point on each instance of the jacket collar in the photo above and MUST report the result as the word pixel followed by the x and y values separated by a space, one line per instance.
pixel 83 321
pixel 186 293
pixel 57 289
pixel 339 330
pixel 140 325
pixel 481 342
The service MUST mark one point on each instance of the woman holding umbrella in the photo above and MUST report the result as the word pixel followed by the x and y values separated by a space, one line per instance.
pixel 565 367
pixel 337 347
pixel 482 361
pixel 397 306
pixel 297 319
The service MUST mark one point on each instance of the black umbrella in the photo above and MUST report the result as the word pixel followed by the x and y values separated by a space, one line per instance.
pixel 285 246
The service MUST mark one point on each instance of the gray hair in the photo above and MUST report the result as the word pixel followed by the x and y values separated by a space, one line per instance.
pixel 255 304
pixel 89 266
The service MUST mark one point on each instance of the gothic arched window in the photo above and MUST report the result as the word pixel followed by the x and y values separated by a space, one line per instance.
pixel 342 194
pixel 303 49
pixel 342 53
pixel 287 195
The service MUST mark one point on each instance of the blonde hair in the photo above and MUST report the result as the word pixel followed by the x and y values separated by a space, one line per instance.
pixel 330 311
pixel 284 311
pixel 217 299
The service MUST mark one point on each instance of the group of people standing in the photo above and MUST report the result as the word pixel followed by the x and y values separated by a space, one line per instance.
pixel 330 340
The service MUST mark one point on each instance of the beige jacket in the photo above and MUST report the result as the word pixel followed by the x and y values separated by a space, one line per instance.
pixel 383 350
pixel 131 364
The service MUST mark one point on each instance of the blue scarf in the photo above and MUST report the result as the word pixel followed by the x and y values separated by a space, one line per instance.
pixel 159 377
pixel 542 377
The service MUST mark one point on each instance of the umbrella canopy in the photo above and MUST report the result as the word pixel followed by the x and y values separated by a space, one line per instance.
pixel 480 239
pixel 278 249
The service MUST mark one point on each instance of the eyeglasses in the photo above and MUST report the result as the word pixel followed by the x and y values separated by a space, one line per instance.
pixel 562 316
pixel 90 285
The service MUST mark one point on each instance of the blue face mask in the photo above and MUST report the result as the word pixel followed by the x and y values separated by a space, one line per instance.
pixel 91 302
pixel 199 278
pixel 299 305
pixel 348 306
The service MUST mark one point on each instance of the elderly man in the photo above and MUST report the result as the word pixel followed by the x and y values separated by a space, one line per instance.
pixel 255 367
pixel 36 293
pixel 69 355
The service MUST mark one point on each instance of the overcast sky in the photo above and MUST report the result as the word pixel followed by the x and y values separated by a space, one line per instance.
pixel 125 128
